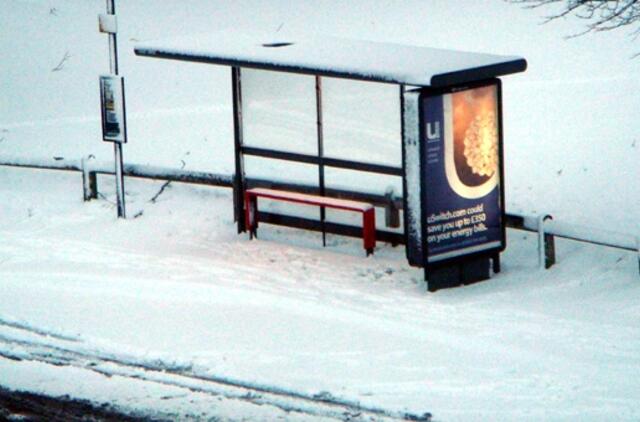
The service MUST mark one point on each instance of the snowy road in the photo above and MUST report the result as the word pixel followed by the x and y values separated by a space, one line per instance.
pixel 19 343
pixel 21 405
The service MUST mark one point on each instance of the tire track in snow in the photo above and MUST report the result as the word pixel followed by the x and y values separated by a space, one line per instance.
pixel 27 327
pixel 61 350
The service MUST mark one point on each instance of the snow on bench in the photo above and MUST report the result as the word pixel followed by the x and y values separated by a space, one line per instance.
pixel 367 210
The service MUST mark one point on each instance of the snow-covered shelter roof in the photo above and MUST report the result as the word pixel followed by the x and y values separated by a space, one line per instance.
pixel 337 57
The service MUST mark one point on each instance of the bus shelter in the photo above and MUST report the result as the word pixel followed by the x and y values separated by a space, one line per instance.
pixel 343 107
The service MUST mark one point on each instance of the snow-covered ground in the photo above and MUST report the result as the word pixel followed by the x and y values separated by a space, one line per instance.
pixel 176 289
pixel 177 286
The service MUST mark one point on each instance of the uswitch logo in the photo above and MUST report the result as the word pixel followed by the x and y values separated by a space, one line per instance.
pixel 433 130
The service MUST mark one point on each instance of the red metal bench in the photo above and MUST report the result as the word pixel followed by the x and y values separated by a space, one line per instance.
pixel 367 210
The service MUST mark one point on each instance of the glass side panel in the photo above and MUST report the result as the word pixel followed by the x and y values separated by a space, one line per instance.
pixel 361 121
pixel 279 111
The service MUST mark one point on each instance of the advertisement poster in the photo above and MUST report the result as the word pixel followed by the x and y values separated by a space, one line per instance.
pixel 113 120
pixel 461 173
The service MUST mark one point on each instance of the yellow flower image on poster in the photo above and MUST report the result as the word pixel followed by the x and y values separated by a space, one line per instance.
pixel 471 144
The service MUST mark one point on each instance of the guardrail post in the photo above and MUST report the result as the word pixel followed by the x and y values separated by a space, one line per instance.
pixel 89 181
pixel 638 248
pixel 549 250
pixel 546 244
pixel 391 212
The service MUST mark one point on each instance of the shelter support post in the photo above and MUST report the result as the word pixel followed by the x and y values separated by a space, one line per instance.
pixel 239 182
pixel 323 212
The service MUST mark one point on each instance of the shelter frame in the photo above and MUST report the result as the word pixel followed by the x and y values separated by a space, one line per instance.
pixel 241 183
pixel 406 66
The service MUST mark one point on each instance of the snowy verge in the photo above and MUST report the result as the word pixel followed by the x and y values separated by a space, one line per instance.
pixel 177 285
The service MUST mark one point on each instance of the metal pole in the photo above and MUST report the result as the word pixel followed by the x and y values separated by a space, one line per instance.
pixel 117 149
pixel 117 146
pixel 113 46
pixel 320 155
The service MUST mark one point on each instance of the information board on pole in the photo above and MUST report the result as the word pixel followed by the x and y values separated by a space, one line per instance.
pixel 114 123
pixel 461 166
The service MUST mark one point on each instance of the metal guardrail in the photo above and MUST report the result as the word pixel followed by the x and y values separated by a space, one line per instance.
pixel 90 169
pixel 544 225
pixel 579 233
pixel 547 229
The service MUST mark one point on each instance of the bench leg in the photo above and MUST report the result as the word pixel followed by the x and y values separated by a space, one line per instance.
pixel 251 214
pixel 369 230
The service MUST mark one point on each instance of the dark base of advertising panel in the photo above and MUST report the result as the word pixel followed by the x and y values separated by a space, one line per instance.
pixel 454 172
pixel 469 270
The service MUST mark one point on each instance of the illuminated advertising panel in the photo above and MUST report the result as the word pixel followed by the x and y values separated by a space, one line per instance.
pixel 461 157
